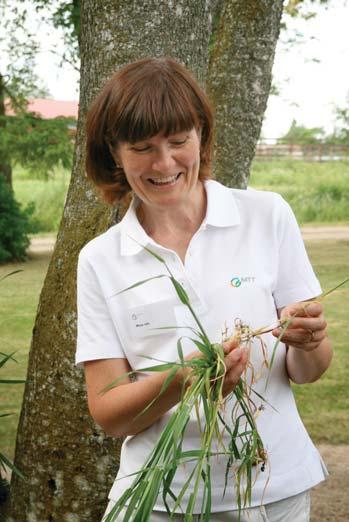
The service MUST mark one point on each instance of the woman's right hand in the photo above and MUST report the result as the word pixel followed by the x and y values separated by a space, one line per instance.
pixel 236 359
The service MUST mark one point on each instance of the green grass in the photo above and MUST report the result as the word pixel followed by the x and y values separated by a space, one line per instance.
pixel 19 296
pixel 317 192
pixel 324 405
pixel 48 196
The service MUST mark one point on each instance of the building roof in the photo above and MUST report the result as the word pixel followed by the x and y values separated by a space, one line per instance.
pixel 49 109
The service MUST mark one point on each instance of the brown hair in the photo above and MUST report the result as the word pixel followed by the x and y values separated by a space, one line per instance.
pixel 141 100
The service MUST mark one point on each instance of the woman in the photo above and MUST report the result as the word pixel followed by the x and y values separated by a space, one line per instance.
pixel 238 254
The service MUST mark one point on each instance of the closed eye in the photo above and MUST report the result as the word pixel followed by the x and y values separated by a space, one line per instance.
pixel 178 143
pixel 173 143
pixel 141 149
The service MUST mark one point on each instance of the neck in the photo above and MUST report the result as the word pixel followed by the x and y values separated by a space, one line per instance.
pixel 185 218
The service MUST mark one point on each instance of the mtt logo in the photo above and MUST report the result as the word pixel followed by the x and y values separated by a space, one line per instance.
pixel 238 281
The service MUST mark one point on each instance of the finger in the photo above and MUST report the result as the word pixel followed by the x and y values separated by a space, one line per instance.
pixel 233 375
pixel 308 323
pixel 314 309
pixel 300 336
pixel 236 357
pixel 230 344
pixel 304 309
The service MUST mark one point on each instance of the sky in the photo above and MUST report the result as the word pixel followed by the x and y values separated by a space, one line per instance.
pixel 312 76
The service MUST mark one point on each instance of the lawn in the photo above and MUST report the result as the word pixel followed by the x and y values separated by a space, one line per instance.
pixel 48 197
pixel 19 296
pixel 317 192
pixel 324 405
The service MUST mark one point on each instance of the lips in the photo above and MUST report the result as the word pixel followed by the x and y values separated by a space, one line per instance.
pixel 165 181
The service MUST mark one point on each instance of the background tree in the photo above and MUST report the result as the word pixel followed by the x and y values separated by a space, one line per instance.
pixel 301 135
pixel 69 462
pixel 18 47
pixel 26 138
pixel 14 227
pixel 340 136
pixel 37 144
pixel 16 82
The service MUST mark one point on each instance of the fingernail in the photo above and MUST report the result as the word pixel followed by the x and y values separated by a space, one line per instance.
pixel 313 309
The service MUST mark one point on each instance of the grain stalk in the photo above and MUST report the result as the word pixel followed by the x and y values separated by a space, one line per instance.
pixel 245 453
pixel 203 390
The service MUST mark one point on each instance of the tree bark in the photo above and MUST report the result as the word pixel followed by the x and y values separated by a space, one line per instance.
pixel 239 81
pixel 69 462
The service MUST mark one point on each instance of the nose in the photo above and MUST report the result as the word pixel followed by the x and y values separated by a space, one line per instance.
pixel 164 160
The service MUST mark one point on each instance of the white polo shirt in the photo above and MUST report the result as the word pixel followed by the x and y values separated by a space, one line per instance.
pixel 246 260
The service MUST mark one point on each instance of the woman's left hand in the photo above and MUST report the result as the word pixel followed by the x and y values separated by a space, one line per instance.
pixel 307 328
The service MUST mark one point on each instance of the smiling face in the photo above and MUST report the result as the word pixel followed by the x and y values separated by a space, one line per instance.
pixel 163 171
pixel 144 101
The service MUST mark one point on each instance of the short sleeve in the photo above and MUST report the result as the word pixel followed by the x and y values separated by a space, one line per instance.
pixel 295 279
pixel 97 337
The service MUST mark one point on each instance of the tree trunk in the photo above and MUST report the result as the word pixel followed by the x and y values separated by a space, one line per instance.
pixel 69 462
pixel 239 82
pixel 5 167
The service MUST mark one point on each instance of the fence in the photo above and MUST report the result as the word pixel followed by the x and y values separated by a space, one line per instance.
pixel 272 149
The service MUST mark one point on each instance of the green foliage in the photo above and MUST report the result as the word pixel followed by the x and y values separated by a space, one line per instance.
pixel 38 144
pixel 302 8
pixel 298 134
pixel 48 197
pixel 25 138
pixel 14 225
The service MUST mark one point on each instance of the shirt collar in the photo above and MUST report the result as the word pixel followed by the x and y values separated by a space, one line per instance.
pixel 222 211
pixel 133 236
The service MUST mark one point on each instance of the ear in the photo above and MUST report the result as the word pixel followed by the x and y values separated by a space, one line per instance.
pixel 199 133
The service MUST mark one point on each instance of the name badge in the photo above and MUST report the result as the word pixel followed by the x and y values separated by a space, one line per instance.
pixel 152 319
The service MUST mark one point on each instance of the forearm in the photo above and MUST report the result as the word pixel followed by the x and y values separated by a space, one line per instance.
pixel 308 366
pixel 119 411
